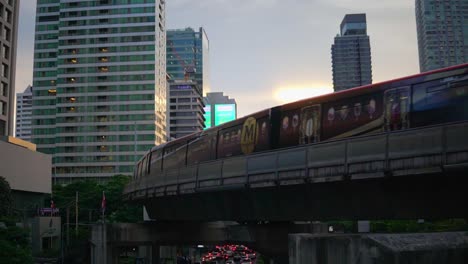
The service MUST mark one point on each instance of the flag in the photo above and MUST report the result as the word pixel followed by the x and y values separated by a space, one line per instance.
pixel 52 204
pixel 103 202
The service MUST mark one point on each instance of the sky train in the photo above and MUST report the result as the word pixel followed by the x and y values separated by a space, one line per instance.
pixel 424 99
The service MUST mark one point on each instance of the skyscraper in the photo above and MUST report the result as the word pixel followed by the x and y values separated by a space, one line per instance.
pixel 185 108
pixel 351 54
pixel 188 56
pixel 99 97
pixel 9 11
pixel 188 73
pixel 23 114
pixel 442 27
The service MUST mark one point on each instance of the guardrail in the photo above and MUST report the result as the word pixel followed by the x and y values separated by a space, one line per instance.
pixel 426 150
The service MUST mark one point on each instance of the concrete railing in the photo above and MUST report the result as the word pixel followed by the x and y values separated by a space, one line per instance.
pixel 426 150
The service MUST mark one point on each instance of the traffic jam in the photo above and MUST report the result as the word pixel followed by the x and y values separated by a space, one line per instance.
pixel 230 254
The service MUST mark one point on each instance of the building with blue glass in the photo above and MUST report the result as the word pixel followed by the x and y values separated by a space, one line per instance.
pixel 187 67
pixel 187 56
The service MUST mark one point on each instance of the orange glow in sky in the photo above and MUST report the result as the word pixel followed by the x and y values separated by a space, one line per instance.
pixel 289 94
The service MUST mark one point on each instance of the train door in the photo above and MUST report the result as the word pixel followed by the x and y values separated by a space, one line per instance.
pixel 310 124
pixel 397 107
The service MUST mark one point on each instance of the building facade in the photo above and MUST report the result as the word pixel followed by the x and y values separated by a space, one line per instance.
pixel 219 109
pixel 185 109
pixel 188 77
pixel 351 54
pixel 9 11
pixel 23 114
pixel 188 56
pixel 442 27
pixel 99 97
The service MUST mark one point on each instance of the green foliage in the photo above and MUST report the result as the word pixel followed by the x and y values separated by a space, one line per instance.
pixel 260 260
pixel 412 226
pixel 15 246
pixel 6 201
pixel 89 201
pixel 89 210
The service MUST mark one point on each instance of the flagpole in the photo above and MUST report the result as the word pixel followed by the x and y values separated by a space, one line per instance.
pixel 52 206
pixel 104 235
pixel 76 214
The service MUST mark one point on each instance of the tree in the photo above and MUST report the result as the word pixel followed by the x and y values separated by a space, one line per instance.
pixel 14 245
pixel 90 197
pixel 89 204
pixel 6 201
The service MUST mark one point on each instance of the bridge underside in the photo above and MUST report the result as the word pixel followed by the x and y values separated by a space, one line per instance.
pixel 429 196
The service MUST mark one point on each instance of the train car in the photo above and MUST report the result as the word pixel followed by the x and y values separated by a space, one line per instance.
pixel 424 99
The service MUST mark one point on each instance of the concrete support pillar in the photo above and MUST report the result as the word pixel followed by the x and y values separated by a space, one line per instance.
pixel 113 253
pixel 155 254
pixel 167 253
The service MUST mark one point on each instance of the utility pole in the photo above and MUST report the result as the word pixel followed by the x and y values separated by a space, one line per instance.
pixel 68 225
pixel 135 142
pixel 76 214
pixel 104 235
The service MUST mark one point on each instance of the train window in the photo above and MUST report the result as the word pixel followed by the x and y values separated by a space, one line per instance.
pixel 175 158
pixel 440 101
pixel 352 116
pixel 155 164
pixel 144 165
pixel 228 144
pixel 397 102
pixel 139 169
pixel 199 150
pixel 310 124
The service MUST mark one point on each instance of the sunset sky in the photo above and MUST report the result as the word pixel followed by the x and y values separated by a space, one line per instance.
pixel 268 52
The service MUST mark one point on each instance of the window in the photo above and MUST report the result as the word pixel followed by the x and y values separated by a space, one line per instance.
pixel 6 52
pixel 4 89
pixel 2 108
pixel 5 70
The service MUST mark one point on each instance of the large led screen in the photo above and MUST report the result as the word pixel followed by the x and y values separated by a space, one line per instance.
pixel 207 116
pixel 224 113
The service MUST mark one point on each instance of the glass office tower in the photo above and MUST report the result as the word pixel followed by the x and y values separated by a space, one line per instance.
pixel 188 56
pixel 99 98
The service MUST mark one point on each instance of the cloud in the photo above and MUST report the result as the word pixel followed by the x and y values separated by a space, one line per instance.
pixel 367 4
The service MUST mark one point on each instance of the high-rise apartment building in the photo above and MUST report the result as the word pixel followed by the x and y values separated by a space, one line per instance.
pixel 185 109
pixel 9 10
pixel 351 54
pixel 442 27
pixel 219 109
pixel 188 56
pixel 99 97
pixel 23 114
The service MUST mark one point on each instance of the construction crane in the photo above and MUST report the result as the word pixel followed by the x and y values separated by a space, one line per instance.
pixel 189 69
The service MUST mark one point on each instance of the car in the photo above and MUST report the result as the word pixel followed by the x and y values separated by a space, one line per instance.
pixel 250 254
pixel 245 261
